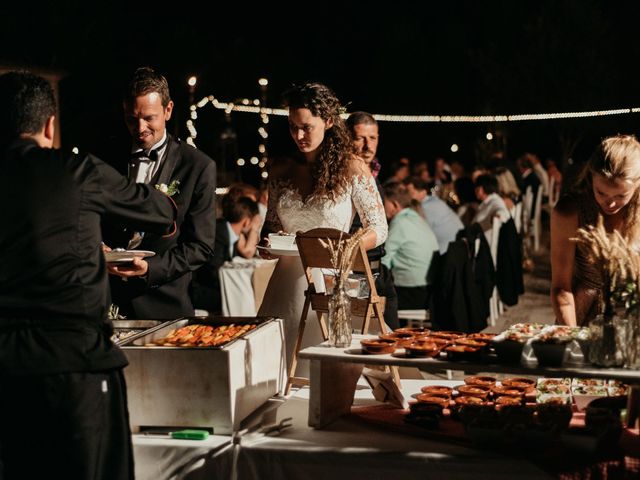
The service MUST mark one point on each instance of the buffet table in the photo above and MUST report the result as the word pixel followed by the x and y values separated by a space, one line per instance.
pixel 355 450
pixel 334 373
pixel 350 448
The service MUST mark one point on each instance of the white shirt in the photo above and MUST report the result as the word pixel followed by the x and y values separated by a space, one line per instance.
pixel 149 169
pixel 490 207
pixel 233 238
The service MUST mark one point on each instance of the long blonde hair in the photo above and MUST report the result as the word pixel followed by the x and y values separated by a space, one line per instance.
pixel 507 186
pixel 616 158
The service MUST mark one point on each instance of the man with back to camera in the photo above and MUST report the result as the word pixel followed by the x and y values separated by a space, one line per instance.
pixel 158 286
pixel 364 131
pixel 63 407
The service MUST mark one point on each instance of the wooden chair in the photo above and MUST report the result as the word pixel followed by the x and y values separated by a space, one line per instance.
pixel 314 255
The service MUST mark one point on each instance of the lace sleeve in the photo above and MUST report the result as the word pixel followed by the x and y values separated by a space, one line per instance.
pixel 368 203
pixel 272 223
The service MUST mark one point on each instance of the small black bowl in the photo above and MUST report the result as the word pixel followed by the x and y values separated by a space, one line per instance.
pixel 549 354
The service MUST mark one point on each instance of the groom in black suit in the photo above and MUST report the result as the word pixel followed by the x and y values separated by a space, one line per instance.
pixel 157 287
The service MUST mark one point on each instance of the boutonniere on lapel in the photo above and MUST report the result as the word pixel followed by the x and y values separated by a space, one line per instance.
pixel 170 189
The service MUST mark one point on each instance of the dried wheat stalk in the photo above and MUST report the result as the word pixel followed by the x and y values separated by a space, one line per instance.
pixel 342 253
pixel 618 261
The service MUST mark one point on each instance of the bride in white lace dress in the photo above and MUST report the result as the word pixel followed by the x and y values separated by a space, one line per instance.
pixel 324 187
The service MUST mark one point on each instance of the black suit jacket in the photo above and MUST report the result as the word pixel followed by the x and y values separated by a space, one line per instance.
pixel 53 281
pixel 205 287
pixel 461 283
pixel 164 293
pixel 509 278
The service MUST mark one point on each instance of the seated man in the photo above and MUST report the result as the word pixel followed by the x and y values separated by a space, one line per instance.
pixel 409 248
pixel 441 218
pixel 491 204
pixel 237 233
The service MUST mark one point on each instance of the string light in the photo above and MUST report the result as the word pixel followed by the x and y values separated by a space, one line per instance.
pixel 257 106
pixel 443 118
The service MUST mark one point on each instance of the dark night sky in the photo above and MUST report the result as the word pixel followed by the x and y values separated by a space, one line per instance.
pixel 463 57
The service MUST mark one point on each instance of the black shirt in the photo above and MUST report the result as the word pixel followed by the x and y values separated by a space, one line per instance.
pixel 53 280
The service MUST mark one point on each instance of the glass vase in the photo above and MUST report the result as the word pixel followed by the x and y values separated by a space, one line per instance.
pixel 340 318
pixel 608 334
pixel 632 340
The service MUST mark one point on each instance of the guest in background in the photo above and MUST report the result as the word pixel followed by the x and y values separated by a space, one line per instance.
pixel 556 174
pixel 607 188
pixel 421 171
pixel 466 198
pixel 507 187
pixel 529 177
pixel 158 287
pixel 235 191
pixel 442 172
pixel 63 408
pixel 237 234
pixel 399 171
pixel 541 173
pixel 365 134
pixel 263 201
pixel 458 170
pixel 409 248
pixel 491 204
pixel 443 221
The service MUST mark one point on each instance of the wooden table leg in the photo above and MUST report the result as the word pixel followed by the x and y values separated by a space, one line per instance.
pixel 333 385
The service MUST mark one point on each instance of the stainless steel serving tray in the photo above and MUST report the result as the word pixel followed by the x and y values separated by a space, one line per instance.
pixel 145 339
pixel 142 326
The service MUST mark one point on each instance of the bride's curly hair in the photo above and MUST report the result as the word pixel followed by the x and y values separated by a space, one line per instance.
pixel 331 168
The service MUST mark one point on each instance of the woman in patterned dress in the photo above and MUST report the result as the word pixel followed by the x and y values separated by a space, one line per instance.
pixel 607 187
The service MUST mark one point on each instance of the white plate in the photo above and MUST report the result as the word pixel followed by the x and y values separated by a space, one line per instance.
pixel 281 252
pixel 126 256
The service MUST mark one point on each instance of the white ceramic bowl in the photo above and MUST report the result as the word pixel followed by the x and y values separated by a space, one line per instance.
pixel 282 242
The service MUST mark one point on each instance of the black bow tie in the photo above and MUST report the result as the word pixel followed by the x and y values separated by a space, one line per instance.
pixel 153 154
pixel 142 156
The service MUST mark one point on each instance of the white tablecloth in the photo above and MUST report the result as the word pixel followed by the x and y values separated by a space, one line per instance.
pixel 237 287
pixel 353 450
pixel 158 458
pixel 347 449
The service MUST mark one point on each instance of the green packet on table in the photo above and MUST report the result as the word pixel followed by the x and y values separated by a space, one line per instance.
pixel 190 434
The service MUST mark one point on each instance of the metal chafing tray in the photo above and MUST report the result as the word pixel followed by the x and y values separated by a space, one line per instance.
pixel 205 387
pixel 128 330
pixel 147 338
